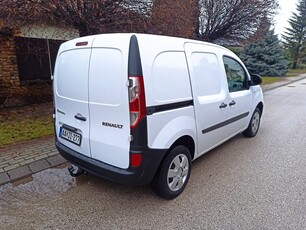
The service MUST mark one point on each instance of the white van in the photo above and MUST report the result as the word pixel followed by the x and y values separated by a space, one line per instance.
pixel 137 109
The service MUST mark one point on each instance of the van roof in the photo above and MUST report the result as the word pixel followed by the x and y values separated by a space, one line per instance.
pixel 171 42
pixel 156 43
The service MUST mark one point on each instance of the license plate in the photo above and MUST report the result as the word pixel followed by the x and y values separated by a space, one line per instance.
pixel 70 136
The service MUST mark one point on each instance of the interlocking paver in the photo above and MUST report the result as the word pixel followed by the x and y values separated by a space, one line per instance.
pixel 19 172
pixel 11 167
pixel 4 165
pixel 53 153
pixel 4 178
pixel 41 157
pixel 29 161
pixel 39 166
pixel 56 160
pixel 31 156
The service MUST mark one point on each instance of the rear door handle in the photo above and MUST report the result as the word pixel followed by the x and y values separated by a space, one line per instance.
pixel 232 103
pixel 80 117
pixel 222 106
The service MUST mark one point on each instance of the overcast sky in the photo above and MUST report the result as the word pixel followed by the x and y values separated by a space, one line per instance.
pixel 285 12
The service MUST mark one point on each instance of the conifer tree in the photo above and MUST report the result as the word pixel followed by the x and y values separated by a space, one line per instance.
pixel 295 36
pixel 265 57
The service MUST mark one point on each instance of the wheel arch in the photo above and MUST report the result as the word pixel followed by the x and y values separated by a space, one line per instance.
pixel 186 141
pixel 260 106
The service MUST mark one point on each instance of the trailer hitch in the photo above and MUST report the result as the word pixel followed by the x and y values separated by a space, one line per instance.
pixel 76 172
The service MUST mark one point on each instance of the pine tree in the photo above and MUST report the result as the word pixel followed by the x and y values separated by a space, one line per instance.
pixel 265 57
pixel 295 36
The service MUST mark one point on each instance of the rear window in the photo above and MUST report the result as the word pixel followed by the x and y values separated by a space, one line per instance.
pixel 106 76
pixel 72 74
pixel 99 81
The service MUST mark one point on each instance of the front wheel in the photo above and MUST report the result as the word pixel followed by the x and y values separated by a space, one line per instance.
pixel 254 124
pixel 173 175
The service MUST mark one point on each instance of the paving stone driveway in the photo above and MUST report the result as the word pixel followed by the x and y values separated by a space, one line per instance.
pixel 23 159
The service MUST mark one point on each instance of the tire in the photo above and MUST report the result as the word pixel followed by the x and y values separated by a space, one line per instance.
pixel 254 124
pixel 173 174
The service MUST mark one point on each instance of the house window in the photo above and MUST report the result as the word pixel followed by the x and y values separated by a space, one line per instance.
pixel 33 59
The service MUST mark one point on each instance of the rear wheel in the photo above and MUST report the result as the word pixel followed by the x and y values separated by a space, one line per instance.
pixel 254 124
pixel 173 175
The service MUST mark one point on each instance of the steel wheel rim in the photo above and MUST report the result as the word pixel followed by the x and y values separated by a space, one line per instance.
pixel 255 122
pixel 178 172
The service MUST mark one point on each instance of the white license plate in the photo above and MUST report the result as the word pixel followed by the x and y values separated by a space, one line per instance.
pixel 70 136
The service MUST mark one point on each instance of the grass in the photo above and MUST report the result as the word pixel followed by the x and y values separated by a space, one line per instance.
pixel 15 128
pixel 291 73
pixel 295 72
pixel 270 80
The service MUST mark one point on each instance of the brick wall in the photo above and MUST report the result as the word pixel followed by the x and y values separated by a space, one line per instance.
pixel 12 91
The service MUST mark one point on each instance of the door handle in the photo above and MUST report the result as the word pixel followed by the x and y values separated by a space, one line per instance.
pixel 223 105
pixel 80 117
pixel 232 103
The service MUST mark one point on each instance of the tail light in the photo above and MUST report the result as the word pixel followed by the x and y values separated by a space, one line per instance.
pixel 137 100
pixel 136 160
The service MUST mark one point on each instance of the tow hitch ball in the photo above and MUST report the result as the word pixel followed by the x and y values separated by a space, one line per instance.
pixel 75 172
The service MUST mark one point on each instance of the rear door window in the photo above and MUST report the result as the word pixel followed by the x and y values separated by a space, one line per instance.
pixel 72 71
pixel 105 81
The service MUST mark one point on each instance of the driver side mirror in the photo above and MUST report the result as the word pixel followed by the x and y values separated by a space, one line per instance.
pixel 256 79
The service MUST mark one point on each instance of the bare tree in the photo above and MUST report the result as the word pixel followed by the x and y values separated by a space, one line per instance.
pixel 203 19
pixel 88 16
pixel 99 16
pixel 261 32
pixel 175 18
pixel 232 19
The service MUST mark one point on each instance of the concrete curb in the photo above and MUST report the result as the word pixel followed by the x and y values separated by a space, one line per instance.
pixel 27 170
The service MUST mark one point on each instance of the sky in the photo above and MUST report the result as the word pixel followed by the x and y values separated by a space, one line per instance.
pixel 284 13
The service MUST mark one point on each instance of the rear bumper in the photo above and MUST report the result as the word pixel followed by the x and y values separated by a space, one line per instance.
pixel 131 176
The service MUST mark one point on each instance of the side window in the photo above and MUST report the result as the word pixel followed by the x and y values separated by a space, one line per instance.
pixel 236 75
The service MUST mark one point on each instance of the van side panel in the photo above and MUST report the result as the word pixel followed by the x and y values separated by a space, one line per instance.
pixel 170 113
pixel 165 129
pixel 170 81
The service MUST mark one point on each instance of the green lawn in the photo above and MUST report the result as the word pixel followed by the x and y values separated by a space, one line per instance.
pixel 17 129
pixel 270 80
pixel 291 73
pixel 295 72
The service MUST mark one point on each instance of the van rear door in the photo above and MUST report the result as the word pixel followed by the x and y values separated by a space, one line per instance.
pixel 71 95
pixel 108 100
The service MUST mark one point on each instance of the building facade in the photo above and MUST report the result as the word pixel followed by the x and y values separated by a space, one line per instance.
pixel 27 57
